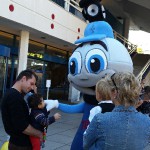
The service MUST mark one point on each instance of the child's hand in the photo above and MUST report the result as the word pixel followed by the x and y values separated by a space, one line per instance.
pixel 57 116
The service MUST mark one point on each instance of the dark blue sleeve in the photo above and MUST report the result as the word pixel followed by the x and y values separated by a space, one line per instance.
pixel 43 120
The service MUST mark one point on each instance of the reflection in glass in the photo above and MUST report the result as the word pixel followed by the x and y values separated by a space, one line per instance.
pixel 2 74
pixel 57 73
pixel 37 67
pixel 6 39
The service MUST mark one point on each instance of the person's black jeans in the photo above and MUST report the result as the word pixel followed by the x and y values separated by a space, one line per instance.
pixel 15 147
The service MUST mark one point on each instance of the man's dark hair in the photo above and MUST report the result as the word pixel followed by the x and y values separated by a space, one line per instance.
pixel 34 100
pixel 28 74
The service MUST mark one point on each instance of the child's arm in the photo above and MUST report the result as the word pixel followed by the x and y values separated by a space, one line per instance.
pixel 94 111
pixel 44 121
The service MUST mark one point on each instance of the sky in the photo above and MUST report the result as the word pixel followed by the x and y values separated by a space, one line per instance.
pixel 141 39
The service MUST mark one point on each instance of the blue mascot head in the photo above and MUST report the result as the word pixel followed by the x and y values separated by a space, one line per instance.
pixel 97 55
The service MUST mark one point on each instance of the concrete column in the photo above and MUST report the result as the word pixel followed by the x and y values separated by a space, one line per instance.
pixel 67 5
pixel 23 50
pixel 126 25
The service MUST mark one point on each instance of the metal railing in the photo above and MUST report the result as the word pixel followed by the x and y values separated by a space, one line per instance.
pixel 73 7
pixel 131 47
pixel 147 65
pixel 72 3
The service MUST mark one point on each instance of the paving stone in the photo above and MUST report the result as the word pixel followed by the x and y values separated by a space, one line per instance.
pixel 59 135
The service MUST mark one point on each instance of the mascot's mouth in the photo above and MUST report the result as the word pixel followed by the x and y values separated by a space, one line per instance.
pixel 90 90
pixel 85 90
pixel 93 88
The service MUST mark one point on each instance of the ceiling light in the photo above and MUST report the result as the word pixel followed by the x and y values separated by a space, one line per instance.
pixel 42 37
pixel 65 45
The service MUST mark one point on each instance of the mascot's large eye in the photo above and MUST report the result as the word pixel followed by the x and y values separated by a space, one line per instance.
pixel 95 61
pixel 75 63
pixel 93 10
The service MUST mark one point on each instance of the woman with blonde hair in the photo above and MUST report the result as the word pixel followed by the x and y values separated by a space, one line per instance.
pixel 124 128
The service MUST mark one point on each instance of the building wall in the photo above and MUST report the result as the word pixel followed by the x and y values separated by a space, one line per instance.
pixel 44 16
pixel 116 25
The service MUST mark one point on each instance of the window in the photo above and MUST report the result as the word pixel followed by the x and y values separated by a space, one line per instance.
pixel 36 49
pixel 57 73
pixel 6 39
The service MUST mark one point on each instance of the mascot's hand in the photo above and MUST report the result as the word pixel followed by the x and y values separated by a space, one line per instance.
pixel 50 104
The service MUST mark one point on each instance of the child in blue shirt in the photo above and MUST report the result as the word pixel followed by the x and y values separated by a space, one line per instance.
pixel 39 118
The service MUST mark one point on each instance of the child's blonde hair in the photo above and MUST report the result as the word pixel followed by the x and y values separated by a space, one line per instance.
pixel 127 87
pixel 102 89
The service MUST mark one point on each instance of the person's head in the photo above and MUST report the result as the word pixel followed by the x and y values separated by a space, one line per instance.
pixel 146 95
pixel 26 81
pixel 124 89
pixel 36 101
pixel 142 82
pixel 102 92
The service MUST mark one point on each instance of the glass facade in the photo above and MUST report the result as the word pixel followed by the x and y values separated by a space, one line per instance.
pixel 37 67
pixel 12 70
pixel 2 74
pixel 6 39
pixel 57 73
pixel 60 2
pixel 49 63
pixel 36 49
pixel 71 7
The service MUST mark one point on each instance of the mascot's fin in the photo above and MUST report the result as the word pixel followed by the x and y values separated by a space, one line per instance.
pixel 71 108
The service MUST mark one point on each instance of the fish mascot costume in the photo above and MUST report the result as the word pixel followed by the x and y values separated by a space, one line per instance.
pixel 96 55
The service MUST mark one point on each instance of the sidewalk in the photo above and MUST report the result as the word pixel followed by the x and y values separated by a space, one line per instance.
pixel 60 134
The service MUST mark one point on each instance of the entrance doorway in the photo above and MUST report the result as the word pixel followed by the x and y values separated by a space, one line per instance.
pixel 3 64
pixel 12 71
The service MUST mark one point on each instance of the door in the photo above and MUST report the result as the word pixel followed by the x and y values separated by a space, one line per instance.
pixel 12 71
pixel 2 75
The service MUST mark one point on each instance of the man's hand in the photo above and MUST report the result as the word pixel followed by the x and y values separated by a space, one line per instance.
pixel 34 132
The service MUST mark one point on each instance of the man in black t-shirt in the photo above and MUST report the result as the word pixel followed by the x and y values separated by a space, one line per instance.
pixel 15 113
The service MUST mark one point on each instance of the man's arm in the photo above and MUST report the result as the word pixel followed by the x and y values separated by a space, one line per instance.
pixel 32 131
